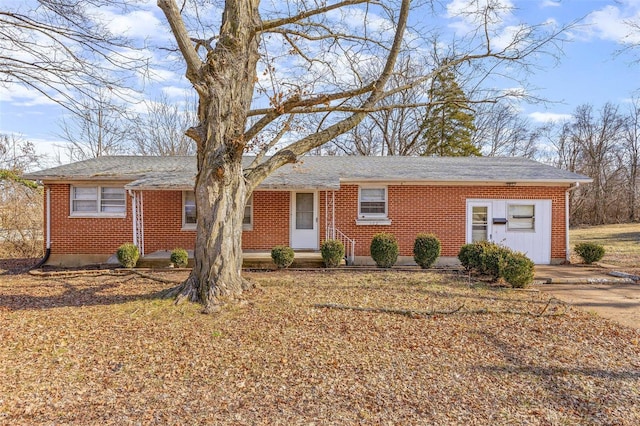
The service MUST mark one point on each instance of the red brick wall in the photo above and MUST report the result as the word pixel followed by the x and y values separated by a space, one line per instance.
pixel 440 210
pixel 412 209
pixel 270 221
pixel 163 222
pixel 85 235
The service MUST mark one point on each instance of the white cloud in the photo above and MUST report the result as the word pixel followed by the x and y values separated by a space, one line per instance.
pixel 468 14
pixel 548 117
pixel 612 22
pixel 179 93
pixel 140 24
pixel 550 3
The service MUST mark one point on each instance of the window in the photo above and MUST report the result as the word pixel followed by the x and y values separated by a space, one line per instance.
pixel 521 217
pixel 373 203
pixel 189 211
pixel 97 200
pixel 247 220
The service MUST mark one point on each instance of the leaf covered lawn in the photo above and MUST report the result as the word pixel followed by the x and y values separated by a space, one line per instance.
pixel 103 349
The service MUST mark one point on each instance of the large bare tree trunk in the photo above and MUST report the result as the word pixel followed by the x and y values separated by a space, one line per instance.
pixel 220 198
pixel 225 84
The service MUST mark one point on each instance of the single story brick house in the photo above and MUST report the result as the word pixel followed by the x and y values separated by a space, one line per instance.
pixel 94 206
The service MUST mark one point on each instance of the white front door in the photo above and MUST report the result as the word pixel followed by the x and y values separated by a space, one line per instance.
pixel 304 220
pixel 479 221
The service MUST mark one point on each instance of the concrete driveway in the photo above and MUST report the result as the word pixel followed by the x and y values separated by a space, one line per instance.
pixel 593 290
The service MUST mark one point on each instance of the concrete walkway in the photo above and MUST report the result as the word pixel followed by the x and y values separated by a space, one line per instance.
pixel 593 290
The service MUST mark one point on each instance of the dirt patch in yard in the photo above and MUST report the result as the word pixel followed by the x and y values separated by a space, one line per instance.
pixel 103 349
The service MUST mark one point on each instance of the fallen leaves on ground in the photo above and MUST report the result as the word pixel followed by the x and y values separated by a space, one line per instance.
pixel 104 349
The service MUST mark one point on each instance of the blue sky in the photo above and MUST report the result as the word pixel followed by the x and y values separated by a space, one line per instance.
pixel 589 71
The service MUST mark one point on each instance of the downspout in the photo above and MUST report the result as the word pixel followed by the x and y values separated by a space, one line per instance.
pixel 47 252
pixel 134 218
pixel 567 249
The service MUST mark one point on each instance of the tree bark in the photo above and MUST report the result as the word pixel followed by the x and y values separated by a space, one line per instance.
pixel 225 83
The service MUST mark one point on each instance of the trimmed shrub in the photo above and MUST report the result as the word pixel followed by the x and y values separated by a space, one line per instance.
pixel 128 255
pixel 332 253
pixel 384 250
pixel 282 256
pixel 179 258
pixel 497 262
pixel 469 255
pixel 517 270
pixel 426 250
pixel 492 259
pixel 589 252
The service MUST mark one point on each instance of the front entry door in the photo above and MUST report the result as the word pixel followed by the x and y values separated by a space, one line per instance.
pixel 304 220
pixel 478 221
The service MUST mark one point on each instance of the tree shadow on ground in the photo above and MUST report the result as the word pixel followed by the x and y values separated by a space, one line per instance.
pixel 67 294
pixel 565 393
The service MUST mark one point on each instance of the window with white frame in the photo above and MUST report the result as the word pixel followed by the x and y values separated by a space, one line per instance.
pixel 521 217
pixel 189 208
pixel 247 219
pixel 98 200
pixel 189 211
pixel 372 202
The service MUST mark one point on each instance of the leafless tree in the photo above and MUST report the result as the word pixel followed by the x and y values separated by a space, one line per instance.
pixel 244 91
pixel 630 158
pixel 502 131
pixel 589 144
pixel 101 128
pixel 161 130
pixel 20 200
pixel 60 49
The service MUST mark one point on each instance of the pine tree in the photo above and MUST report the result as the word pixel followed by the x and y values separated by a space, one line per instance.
pixel 448 124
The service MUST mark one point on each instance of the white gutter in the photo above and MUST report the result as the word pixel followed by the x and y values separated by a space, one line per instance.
pixel 567 249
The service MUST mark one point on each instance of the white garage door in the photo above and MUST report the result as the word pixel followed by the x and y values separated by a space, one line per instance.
pixel 522 225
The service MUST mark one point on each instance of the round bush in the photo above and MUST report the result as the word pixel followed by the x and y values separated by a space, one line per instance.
pixel 492 259
pixel 128 255
pixel 517 270
pixel 470 255
pixel 384 250
pixel 282 256
pixel 589 252
pixel 179 258
pixel 332 253
pixel 426 250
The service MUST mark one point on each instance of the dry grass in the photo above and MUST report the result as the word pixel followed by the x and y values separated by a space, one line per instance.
pixel 103 350
pixel 621 242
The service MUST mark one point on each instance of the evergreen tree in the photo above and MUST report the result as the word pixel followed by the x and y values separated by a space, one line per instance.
pixel 448 126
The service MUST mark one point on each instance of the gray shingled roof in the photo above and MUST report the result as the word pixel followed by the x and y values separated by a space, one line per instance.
pixel 316 172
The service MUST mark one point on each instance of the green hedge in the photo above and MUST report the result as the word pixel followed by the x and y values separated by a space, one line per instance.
pixel 179 258
pixel 497 262
pixel 426 249
pixel 589 252
pixel 282 256
pixel 128 255
pixel 332 252
pixel 384 250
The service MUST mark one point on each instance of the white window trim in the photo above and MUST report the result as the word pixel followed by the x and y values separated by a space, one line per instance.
pixel 249 226
pixel 533 229
pixel 74 214
pixel 373 218
pixel 192 226
pixel 186 226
